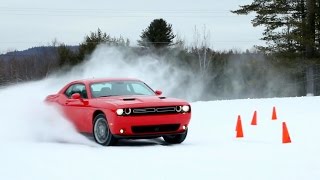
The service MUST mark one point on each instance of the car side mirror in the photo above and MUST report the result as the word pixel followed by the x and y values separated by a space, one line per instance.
pixel 76 96
pixel 158 92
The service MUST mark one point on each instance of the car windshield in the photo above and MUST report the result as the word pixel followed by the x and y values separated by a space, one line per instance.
pixel 120 88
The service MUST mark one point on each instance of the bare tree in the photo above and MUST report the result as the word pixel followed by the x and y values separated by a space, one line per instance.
pixel 179 42
pixel 201 45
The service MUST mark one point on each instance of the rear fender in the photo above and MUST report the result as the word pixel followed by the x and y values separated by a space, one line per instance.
pixel 52 98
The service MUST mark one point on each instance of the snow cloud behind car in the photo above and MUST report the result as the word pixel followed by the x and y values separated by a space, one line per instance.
pixel 25 117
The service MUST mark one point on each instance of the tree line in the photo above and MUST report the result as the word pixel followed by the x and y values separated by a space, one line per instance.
pixel 278 69
pixel 292 27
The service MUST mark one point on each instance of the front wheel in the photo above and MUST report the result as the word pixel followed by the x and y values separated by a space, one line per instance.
pixel 175 139
pixel 101 132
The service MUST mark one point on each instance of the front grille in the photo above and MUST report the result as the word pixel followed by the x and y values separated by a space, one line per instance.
pixel 155 128
pixel 152 110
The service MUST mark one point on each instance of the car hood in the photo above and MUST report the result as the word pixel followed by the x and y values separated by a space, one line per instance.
pixel 142 101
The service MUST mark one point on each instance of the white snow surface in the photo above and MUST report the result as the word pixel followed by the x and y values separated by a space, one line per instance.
pixel 210 151
pixel 37 143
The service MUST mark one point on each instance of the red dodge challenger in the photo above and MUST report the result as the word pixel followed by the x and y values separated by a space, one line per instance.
pixel 112 109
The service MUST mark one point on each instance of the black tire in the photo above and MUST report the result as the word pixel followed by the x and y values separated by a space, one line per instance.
pixel 101 132
pixel 175 139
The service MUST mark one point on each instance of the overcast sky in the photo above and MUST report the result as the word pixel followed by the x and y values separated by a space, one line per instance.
pixel 29 23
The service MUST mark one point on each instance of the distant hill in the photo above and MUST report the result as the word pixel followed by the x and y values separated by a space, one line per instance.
pixel 41 51
pixel 31 64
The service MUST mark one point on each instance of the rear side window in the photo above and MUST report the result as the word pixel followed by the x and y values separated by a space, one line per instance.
pixel 77 88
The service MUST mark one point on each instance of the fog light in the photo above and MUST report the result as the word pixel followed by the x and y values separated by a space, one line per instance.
pixel 121 131
pixel 127 111
pixel 185 108
pixel 184 127
pixel 119 112
pixel 178 108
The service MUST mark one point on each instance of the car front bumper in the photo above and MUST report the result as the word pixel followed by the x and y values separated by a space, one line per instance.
pixel 148 125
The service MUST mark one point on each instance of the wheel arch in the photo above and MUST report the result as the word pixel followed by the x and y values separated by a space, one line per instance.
pixel 112 140
pixel 95 113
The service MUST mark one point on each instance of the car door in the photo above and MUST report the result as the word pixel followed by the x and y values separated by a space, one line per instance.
pixel 76 110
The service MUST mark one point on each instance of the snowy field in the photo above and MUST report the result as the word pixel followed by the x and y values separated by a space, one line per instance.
pixel 211 150
pixel 36 143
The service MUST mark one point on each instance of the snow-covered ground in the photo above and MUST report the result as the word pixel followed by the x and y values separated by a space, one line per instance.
pixel 210 151
pixel 36 143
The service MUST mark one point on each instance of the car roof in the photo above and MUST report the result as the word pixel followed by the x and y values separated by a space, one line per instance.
pixel 96 80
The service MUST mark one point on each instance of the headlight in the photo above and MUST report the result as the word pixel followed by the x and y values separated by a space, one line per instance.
pixel 185 108
pixel 119 112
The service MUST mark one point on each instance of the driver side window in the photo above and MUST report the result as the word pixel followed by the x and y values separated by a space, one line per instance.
pixel 77 88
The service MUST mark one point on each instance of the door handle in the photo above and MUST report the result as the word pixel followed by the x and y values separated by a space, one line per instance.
pixel 85 102
pixel 70 100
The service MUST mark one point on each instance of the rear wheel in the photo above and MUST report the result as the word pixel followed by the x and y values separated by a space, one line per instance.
pixel 175 139
pixel 101 132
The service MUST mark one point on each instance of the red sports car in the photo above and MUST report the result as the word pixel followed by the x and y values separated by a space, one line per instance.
pixel 112 109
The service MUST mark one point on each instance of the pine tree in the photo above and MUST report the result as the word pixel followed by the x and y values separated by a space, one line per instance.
pixel 69 57
pixel 91 42
pixel 289 24
pixel 66 56
pixel 158 35
pixel 318 26
pixel 310 28
pixel 95 38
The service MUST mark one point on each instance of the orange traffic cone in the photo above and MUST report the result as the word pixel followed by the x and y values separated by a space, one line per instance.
pixel 239 128
pixel 285 134
pixel 274 114
pixel 239 119
pixel 254 119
